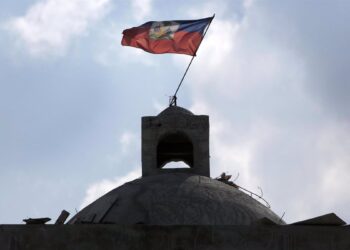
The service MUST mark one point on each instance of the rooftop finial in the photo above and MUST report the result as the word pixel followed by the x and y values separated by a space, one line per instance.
pixel 172 101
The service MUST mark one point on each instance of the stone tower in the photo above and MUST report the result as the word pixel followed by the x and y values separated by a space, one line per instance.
pixel 175 134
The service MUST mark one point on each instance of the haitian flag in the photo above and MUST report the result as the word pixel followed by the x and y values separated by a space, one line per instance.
pixel 181 37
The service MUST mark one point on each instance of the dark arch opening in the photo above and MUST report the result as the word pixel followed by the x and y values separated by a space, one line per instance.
pixel 174 147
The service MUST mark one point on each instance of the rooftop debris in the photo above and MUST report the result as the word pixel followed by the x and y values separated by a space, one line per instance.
pixel 62 218
pixel 324 220
pixel 226 179
pixel 31 221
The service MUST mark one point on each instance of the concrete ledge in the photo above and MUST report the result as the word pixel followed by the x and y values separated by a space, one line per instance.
pixel 91 237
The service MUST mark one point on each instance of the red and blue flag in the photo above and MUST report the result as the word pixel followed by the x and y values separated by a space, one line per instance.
pixel 181 37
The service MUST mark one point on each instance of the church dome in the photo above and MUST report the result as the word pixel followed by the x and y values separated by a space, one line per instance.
pixel 175 196
pixel 175 199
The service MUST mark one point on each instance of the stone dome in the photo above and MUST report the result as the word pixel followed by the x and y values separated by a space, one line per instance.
pixel 174 110
pixel 175 199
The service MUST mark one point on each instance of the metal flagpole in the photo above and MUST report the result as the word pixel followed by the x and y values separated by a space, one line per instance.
pixel 174 98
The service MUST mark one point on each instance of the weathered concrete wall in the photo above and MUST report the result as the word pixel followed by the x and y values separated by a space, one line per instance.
pixel 93 237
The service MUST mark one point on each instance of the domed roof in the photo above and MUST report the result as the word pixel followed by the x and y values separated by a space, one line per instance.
pixel 175 199
pixel 175 110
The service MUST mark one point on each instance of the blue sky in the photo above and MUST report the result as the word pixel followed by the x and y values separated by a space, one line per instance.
pixel 273 77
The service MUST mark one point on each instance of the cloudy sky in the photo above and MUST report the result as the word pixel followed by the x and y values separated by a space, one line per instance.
pixel 272 75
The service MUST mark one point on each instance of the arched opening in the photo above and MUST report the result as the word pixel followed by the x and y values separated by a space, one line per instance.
pixel 174 148
pixel 174 165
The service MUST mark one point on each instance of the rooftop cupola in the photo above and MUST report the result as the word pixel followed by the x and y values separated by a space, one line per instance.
pixel 174 135
pixel 175 196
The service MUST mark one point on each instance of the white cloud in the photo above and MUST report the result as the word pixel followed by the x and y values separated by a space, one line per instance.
pixel 49 26
pixel 208 8
pixel 100 188
pixel 248 3
pixel 231 152
pixel 113 54
pixel 127 140
pixel 264 124
pixel 334 145
pixel 141 9
pixel 129 145
pixel 158 106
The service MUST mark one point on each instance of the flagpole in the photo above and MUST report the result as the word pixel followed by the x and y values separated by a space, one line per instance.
pixel 173 100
